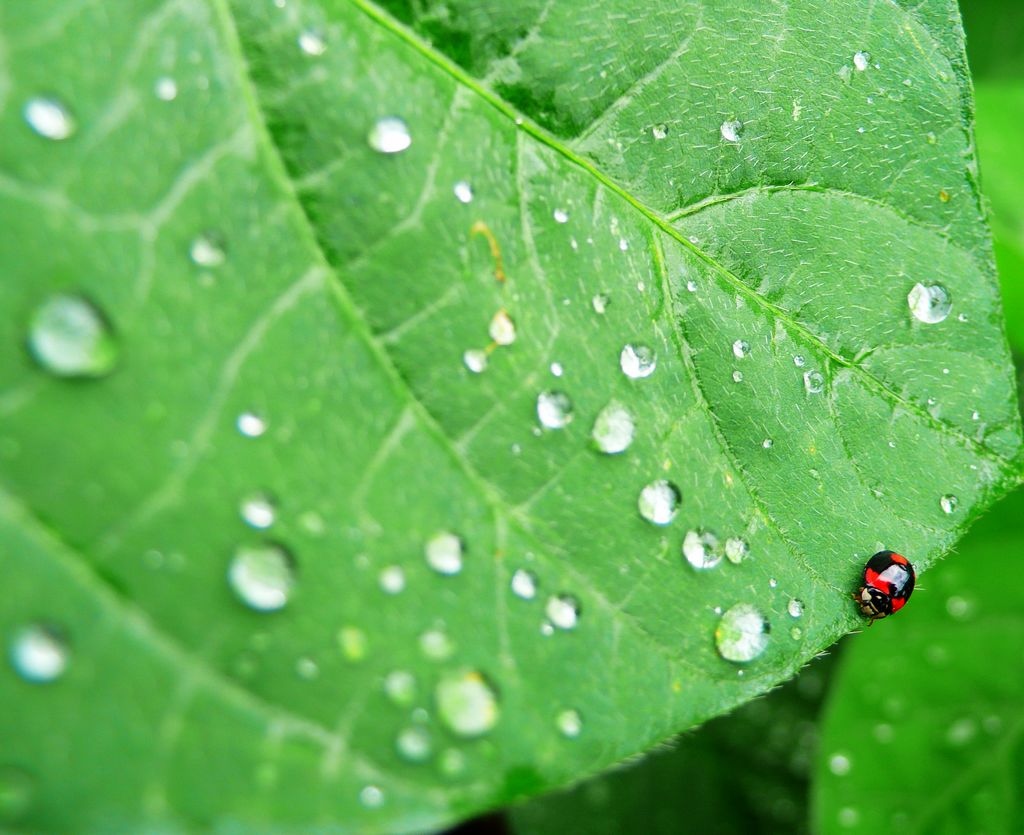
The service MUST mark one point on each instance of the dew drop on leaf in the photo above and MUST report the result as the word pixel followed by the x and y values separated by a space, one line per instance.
pixel 166 88
pixel 848 817
pixel 258 511
pixel 795 608
pixel 390 135
pixel 436 645
pixel 740 348
pixel 736 549
pixel 392 579
pixel 452 762
pixel 948 503
pixel 554 409
pixel 251 424
pixel 207 250
pixel 637 361
pixel 731 130
pixel 312 43
pixel 600 303
pixel 563 611
pixel 659 131
pixel 262 576
pixel 400 687
pixel 613 429
pixel 413 744
pixel 69 337
pixel 814 382
pixel 371 797
pixel 659 502
pixel 49 118
pixel 929 303
pixel 466 702
pixel 799 361
pixel 475 360
pixel 561 216
pixel 307 668
pixel 742 633
pixel 353 643
pixel 502 329
pixel 701 549
pixel 737 376
pixel 569 723
pixel 524 584
pixel 444 553
pixel 39 653
pixel 839 764
pixel 463 192
pixel 860 61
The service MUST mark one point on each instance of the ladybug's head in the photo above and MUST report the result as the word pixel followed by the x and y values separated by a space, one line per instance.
pixel 874 603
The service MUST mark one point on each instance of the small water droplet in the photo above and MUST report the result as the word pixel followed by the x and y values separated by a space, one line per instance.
pixel 556 369
pixel 742 633
pixel 691 286
pixel 262 576
pixel 207 250
pixel 452 762
pixel 413 744
pixel 312 43
pixel 848 817
pixel 563 611
pixel 307 668
pixel 436 645
pixel 49 118
pixel 546 629
pixel 796 633
pixel 475 360
pixel 860 61
pixel 959 608
pixel 466 703
pixel 390 135
pixel 392 579
pixel 613 429
pixel 17 793
pixel 600 303
pixel 948 503
pixel 554 409
pixel 659 131
pixel 39 653
pixel 353 643
pixel 740 349
pixel 839 764
pixel 659 502
pixel 929 303
pixel 569 723
pixel 502 329
pixel 400 687
pixel 736 549
pixel 637 361
pixel 166 88
pixel 795 608
pixel 251 424
pixel 737 376
pixel 772 582
pixel 623 246
pixel 701 549
pixel 371 797
pixel 814 382
pixel 731 130
pixel 258 511
pixel 444 553
pixel 70 338
pixel 463 192
pixel 524 584
pixel 561 216
pixel 883 732
pixel 767 443
pixel 961 732
pixel 799 361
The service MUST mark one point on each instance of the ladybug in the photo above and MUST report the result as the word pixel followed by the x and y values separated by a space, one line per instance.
pixel 887 585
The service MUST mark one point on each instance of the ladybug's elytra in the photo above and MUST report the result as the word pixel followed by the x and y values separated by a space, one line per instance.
pixel 887 585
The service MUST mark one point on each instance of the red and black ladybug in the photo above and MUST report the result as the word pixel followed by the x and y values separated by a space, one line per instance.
pixel 887 585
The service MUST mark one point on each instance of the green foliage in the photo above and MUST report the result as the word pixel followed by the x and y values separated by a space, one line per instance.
pixel 246 249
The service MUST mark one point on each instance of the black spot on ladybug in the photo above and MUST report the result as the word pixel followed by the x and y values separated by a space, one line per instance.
pixel 886 586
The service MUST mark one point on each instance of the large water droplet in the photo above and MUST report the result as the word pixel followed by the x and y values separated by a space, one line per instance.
pixel 70 338
pixel 413 744
pixel 400 687
pixel 258 511
pixel 207 250
pixel 502 329
pixel 466 703
pixel 659 502
pixel 262 576
pixel 701 549
pixel 39 653
pixel 637 361
pixel 929 303
pixel 251 425
pixel 569 723
pixel 613 429
pixel 563 611
pixel 390 135
pixel 554 409
pixel 49 118
pixel 742 633
pixel 814 382
pixel 731 130
pixel 444 553
pixel 524 584
pixel 948 503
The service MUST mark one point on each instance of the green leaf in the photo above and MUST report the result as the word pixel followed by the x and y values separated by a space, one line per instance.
pixel 937 698
pixel 225 189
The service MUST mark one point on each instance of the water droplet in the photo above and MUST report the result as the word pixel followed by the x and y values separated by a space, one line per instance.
pixel 848 817
pixel 17 793
pixel 740 349
pixel 701 549
pixel 554 409
pixel 307 668
pixel 561 216
pixel 731 130
pixel 814 382
pixel 436 645
pixel 452 762
pixel 860 61
pixel 390 135
pixel 258 511
pixel 400 687
pixel 659 131
pixel 569 723
pixel 613 429
pixel 772 582
pixel 736 549
pixel 352 641
pixel 623 246
pixel 39 653
pixel 502 329
pixel 961 732
pixel 463 192
pixel 637 361
pixel 659 502
pixel 413 745
pixel 524 584
pixel 466 703
pixel 563 611
pixel 796 633
pixel 207 250
pixel 600 303
pixel 737 376
pixel 742 633
pixel 948 503
pixel 251 424
pixel 371 797
pixel 70 338
pixel 262 576
pixel 49 118
pixel 444 553
pixel 475 360
pixel 929 303
pixel 691 286
pixel 839 764
pixel 166 89
pixel 799 361
pixel 767 443
pixel 312 43
pixel 392 579
pixel 883 732
pixel 959 607
pixel 556 369
pixel 795 608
